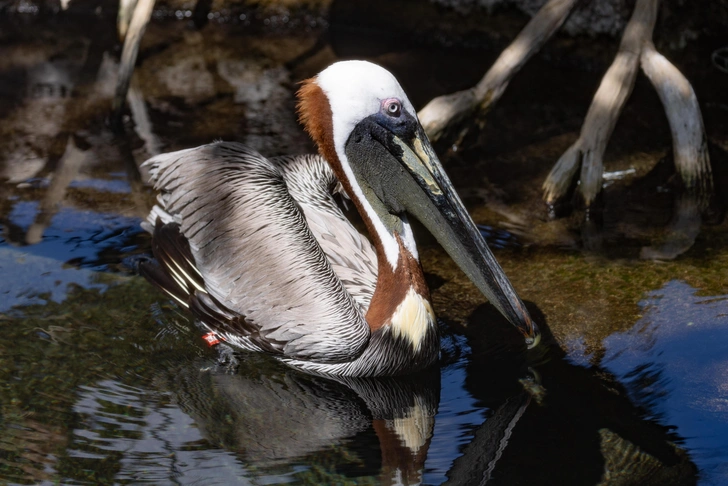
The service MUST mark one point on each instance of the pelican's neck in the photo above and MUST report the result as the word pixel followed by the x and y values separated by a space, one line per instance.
pixel 384 228
pixel 391 233
pixel 401 297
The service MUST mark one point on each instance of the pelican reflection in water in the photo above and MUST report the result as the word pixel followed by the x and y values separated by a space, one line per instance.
pixel 381 427
pixel 259 251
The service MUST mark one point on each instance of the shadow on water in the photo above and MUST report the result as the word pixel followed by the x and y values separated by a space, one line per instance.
pixel 551 421
pixel 103 381
pixel 651 409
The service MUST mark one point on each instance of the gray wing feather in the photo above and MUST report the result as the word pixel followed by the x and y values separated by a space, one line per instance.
pixel 311 182
pixel 254 248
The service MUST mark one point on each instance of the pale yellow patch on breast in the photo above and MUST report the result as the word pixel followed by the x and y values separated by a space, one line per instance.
pixel 412 319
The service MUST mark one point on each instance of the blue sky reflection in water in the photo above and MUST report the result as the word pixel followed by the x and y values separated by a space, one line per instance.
pixel 674 362
pixel 42 271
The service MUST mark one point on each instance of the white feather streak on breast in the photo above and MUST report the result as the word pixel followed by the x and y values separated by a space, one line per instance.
pixel 350 253
pixel 412 319
pixel 415 428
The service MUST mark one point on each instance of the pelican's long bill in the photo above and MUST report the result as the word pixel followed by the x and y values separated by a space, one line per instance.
pixel 417 184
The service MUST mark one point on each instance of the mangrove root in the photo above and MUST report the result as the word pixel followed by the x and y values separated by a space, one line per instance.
pixel 587 152
pixel 682 231
pixel 678 99
pixel 123 18
pixel 140 18
pixel 445 114
pixel 689 142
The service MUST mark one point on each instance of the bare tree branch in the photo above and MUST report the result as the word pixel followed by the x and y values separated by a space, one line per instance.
pixel 139 21
pixel 445 112
pixel 123 18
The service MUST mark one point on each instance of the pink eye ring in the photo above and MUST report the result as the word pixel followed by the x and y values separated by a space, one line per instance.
pixel 392 107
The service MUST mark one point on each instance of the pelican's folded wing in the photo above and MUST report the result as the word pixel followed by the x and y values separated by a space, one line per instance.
pixel 267 283
pixel 311 182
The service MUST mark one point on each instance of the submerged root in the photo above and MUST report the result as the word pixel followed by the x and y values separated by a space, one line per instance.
pixel 682 231
pixel 68 168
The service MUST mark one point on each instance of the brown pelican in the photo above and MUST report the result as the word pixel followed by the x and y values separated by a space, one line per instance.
pixel 260 252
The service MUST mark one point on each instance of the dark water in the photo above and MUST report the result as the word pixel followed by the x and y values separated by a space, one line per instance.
pixel 103 380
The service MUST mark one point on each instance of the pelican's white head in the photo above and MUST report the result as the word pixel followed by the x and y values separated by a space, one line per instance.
pixel 356 90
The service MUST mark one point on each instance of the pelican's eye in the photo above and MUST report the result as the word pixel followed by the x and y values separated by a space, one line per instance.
pixel 392 107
